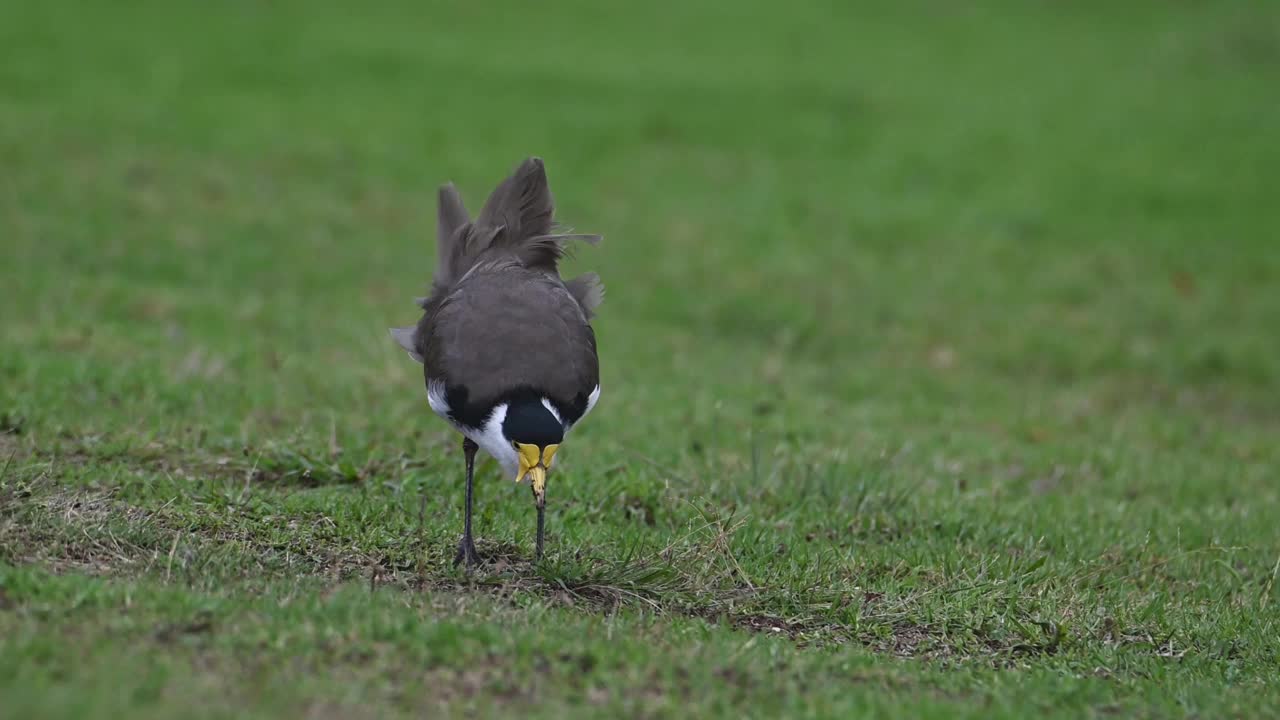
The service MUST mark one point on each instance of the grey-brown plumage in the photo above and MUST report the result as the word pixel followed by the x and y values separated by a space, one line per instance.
pixel 507 327
pixel 508 352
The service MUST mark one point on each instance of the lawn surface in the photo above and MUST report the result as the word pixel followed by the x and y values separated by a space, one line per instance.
pixel 941 360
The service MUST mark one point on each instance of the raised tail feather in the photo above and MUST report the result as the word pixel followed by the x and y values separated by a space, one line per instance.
pixel 588 291
pixel 516 220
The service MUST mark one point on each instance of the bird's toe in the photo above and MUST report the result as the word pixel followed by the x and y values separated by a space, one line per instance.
pixel 467 554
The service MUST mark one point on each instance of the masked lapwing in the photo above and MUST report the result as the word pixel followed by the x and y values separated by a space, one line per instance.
pixel 506 346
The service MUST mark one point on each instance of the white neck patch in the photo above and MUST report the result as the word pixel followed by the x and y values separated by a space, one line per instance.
pixel 490 439
pixel 488 436
pixel 436 399
pixel 591 402
pixel 546 403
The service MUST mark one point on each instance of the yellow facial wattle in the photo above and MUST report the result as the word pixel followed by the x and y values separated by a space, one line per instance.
pixel 532 456
pixel 534 463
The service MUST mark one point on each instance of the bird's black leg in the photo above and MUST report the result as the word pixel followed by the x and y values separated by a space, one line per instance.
pixel 467 547
pixel 537 551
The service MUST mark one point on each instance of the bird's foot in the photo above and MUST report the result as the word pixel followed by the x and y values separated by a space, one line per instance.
pixel 467 553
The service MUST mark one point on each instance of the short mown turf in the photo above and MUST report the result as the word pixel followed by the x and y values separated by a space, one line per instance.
pixel 940 355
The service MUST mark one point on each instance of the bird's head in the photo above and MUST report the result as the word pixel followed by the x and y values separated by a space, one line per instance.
pixel 535 432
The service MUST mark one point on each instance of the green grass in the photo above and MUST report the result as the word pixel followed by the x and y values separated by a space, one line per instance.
pixel 940 361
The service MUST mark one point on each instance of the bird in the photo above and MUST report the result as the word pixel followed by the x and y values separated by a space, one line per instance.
pixel 507 347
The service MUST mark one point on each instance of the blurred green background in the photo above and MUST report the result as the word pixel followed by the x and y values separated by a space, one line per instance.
pixel 964 309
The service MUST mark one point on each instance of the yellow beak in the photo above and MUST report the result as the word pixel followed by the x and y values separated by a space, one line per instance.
pixel 538 481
